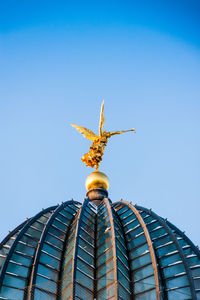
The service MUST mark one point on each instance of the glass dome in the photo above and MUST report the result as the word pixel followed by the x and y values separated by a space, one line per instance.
pixel 105 251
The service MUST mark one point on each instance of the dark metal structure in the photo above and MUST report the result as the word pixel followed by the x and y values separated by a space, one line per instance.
pixel 98 250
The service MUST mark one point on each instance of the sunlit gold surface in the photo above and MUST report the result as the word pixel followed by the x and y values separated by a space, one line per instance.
pixel 94 156
pixel 97 180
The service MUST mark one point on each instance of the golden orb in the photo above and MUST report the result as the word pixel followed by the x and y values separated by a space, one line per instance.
pixel 97 180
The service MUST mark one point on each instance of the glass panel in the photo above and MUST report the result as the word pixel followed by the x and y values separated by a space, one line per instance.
pixel 182 242
pixel 188 251
pixel 147 219
pixel 165 261
pixel 85 267
pixel 53 240
pixel 60 225
pixel 122 268
pixel 193 260
pixel 134 230
pixel 49 249
pixel 166 249
pixel 17 269
pixel 150 295
pixel 85 256
pixel 122 257
pixel 14 281
pixel 161 241
pixel 25 249
pixel 180 294
pixel 11 293
pixel 88 229
pixel 173 270
pixel 87 247
pixel 39 225
pixel 177 282
pixel 158 232
pixel 86 236
pixel 56 232
pixel 84 280
pixel 87 221
pixel 139 240
pixel 104 235
pixel 46 284
pixel 121 247
pixel 49 260
pixel 69 210
pixel 67 216
pixel 139 251
pixel 47 272
pixel 21 259
pixel 89 211
pixel 129 218
pixel 106 293
pixel 105 256
pixel 144 272
pixel 42 295
pixel 141 261
pixel 122 210
pixel 34 233
pixel 197 283
pixel 62 219
pixel 123 293
pixel 29 241
pixel 107 279
pixel 107 244
pixel 123 280
pixel 145 284
pixel 83 293
pixel 195 271
pixel 153 225
pixel 105 268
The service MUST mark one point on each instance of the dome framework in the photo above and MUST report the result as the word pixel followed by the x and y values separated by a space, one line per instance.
pixel 105 251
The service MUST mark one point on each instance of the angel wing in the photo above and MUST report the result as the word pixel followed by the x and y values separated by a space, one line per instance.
pixel 102 120
pixel 88 134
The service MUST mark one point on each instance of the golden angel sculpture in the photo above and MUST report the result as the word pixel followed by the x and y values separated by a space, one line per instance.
pixel 94 156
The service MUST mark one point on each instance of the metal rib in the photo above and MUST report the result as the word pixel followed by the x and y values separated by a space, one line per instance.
pixel 74 259
pixel 12 233
pixel 174 239
pixel 149 242
pixel 194 248
pixel 113 244
pixel 40 245
pixel 27 225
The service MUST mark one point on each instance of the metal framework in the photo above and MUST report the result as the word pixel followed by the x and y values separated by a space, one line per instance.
pixel 149 242
pixel 110 251
pixel 178 247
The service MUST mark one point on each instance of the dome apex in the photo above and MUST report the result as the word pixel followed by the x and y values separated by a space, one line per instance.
pixel 97 180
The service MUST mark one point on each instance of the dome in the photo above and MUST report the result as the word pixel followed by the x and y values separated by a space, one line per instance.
pixel 105 251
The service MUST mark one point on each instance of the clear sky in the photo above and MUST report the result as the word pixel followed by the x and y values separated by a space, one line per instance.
pixel 58 61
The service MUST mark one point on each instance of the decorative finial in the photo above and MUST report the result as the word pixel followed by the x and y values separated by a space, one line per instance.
pixel 97 180
pixel 99 142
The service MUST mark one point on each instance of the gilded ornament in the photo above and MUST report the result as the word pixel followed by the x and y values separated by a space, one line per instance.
pixel 99 142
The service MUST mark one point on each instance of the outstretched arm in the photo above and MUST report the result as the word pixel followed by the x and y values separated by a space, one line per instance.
pixel 109 134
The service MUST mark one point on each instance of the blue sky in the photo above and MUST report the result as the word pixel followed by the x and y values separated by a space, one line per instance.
pixel 58 61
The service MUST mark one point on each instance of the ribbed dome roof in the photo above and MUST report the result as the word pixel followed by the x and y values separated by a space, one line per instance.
pixel 109 251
